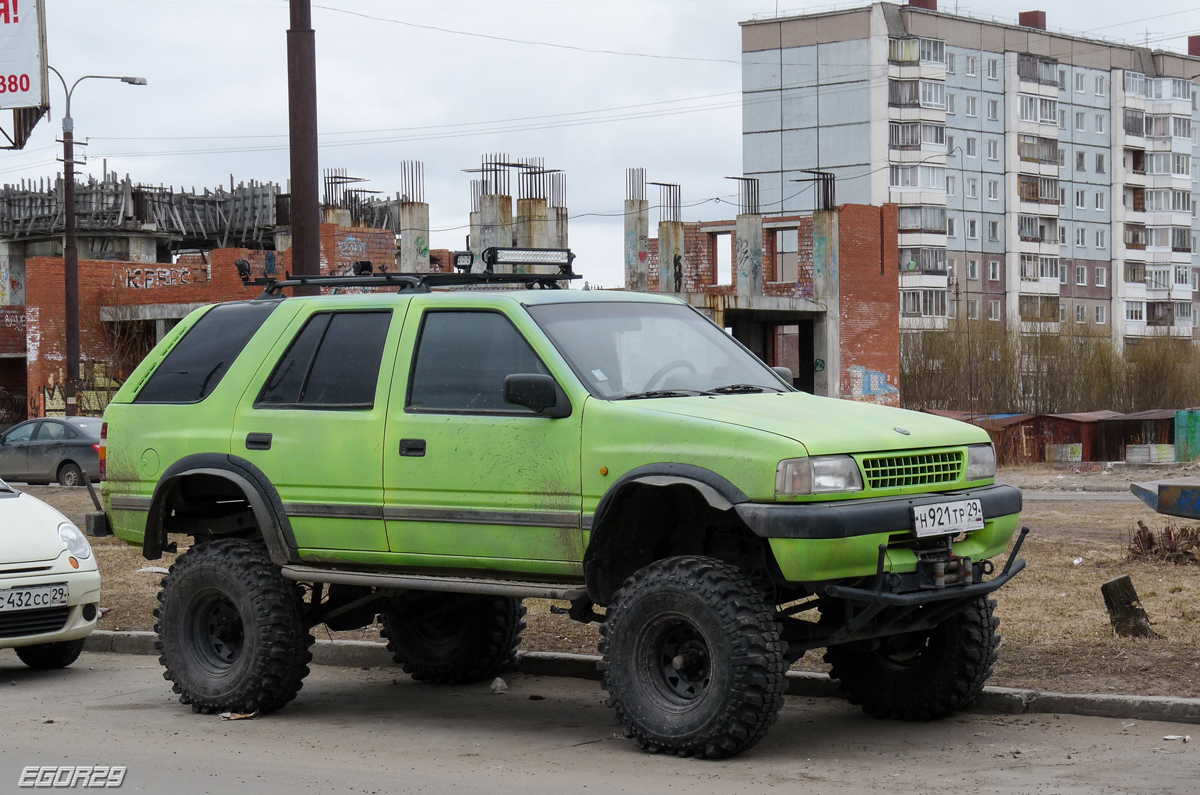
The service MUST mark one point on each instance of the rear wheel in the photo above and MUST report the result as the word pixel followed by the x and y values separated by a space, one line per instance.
pixel 922 675
pixel 50 655
pixel 69 474
pixel 454 638
pixel 693 661
pixel 231 629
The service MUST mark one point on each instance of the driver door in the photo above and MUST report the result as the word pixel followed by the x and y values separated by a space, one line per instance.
pixel 14 453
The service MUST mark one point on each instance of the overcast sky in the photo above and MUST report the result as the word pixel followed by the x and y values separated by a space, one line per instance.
pixel 393 87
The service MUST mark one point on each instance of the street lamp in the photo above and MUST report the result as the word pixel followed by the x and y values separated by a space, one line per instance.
pixel 70 250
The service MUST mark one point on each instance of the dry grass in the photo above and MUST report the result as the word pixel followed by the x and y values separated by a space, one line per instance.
pixel 1172 544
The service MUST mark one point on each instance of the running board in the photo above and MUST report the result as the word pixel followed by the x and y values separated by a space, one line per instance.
pixel 422 582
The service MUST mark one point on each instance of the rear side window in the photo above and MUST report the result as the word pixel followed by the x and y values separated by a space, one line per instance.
pixel 198 362
pixel 333 363
pixel 462 360
pixel 52 431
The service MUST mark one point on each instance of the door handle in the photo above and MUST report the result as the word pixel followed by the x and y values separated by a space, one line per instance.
pixel 412 447
pixel 258 441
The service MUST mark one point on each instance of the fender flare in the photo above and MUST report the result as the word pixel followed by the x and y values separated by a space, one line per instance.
pixel 264 501
pixel 717 491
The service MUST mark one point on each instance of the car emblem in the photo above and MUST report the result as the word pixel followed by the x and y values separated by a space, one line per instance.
pixel 902 430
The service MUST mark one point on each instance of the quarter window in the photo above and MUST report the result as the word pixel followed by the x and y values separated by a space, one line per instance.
pixel 462 360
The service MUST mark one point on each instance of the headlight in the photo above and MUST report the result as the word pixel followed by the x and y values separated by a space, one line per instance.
pixel 981 462
pixel 76 542
pixel 828 474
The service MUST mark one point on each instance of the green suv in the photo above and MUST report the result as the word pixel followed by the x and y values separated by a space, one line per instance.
pixel 434 457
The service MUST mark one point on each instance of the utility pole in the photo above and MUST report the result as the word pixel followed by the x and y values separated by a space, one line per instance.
pixel 302 128
pixel 70 245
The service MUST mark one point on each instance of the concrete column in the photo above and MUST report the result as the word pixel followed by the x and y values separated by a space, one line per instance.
pixel 556 221
pixel 495 225
pixel 827 331
pixel 414 237
pixel 532 229
pixel 143 249
pixel 671 257
pixel 474 239
pixel 749 263
pixel 12 273
pixel 637 245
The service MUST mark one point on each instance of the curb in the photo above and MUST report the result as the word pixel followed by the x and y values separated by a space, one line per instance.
pixel 993 700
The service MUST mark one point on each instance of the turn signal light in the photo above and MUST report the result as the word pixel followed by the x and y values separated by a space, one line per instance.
pixel 74 563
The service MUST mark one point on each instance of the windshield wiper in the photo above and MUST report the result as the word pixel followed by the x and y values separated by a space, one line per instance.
pixel 740 389
pixel 660 393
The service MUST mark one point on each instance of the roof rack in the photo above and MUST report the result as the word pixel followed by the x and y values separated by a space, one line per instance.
pixel 363 275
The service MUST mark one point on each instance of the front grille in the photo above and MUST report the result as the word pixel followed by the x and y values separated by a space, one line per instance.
pixel 921 469
pixel 33 622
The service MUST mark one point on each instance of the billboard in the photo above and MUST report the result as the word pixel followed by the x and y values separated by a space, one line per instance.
pixel 22 55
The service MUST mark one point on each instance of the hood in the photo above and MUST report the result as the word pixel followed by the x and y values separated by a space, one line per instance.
pixel 28 529
pixel 825 425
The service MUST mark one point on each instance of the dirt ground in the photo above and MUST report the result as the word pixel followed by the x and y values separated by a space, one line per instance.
pixel 1056 631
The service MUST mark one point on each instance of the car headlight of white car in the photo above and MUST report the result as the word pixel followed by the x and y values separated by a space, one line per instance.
pixel 77 543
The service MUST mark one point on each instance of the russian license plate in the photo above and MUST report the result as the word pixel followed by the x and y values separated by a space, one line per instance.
pixel 947 518
pixel 38 597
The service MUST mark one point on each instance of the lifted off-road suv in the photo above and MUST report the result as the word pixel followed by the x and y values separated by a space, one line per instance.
pixel 435 457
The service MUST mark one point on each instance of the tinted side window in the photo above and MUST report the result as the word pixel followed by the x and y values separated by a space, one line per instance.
pixel 194 367
pixel 22 433
pixel 332 363
pixel 50 431
pixel 462 359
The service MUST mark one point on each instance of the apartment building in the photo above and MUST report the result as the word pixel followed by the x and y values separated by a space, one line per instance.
pixel 1043 179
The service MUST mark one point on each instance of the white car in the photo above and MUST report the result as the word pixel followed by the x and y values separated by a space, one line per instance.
pixel 49 583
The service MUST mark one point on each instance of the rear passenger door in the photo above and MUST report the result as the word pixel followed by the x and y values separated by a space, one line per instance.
pixel 46 449
pixel 313 420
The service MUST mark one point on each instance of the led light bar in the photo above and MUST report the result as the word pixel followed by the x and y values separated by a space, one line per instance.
pixel 463 260
pixel 528 256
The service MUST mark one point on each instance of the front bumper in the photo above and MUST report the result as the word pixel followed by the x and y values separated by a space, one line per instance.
pixel 27 627
pixel 816 543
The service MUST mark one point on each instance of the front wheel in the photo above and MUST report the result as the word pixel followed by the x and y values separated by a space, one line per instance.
pixel 231 629
pixel 48 656
pixel 923 675
pixel 692 659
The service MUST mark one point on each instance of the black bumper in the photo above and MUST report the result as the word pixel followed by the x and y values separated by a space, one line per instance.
pixel 849 518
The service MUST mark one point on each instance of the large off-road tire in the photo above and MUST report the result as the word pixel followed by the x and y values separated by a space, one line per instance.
pixel 50 655
pixel 231 629
pixel 922 675
pixel 693 662
pixel 448 638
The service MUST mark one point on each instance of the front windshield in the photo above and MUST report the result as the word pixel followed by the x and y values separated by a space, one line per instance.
pixel 627 350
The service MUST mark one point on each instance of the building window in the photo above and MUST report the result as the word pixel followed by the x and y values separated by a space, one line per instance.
pixel 971 68
pixel 923 218
pixel 1100 85
pixel 1079 83
pixel 1079 121
pixel 993 110
pixel 1081 237
pixel 1195 281
pixel 1135 310
pixel 1062 79
pixel 950 226
pixel 972 147
pixel 950 63
pixel 1101 201
pixel 1081 275
pixel 1101 163
pixel 972 309
pixel 993 69
pixel 993 149
pixel 1101 276
pixel 949 144
pixel 1135 84
pixel 993 231
pixel 993 189
pixel 1062 313
pixel 1062 274
pixel 1062 120
pixel 972 229
pixel 1062 197
pixel 971 109
pixel 933 303
pixel 972 188
pixel 1062 157
pixel 993 310
pixel 1099 122
pixel 950 185
pixel 1080 199
pixel 1101 315
pixel 933 94
pixel 1101 239
pixel 1062 234
pixel 1080 313
pixel 933 51
pixel 973 269
pixel 910 303
pixel 950 104
pixel 1048 267
pixel 1081 161
pixel 994 271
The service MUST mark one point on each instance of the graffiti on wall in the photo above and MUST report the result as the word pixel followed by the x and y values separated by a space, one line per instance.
pixel 871 386
pixel 13 320
pixel 749 263
pixel 351 247
pixel 149 278
pixel 637 252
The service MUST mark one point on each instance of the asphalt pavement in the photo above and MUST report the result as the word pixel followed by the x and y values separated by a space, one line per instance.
pixel 376 731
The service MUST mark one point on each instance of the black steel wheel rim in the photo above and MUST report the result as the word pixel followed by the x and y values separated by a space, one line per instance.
pixel 676 660
pixel 218 633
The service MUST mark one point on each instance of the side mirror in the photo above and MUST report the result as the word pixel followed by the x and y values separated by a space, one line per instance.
pixel 784 373
pixel 538 393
